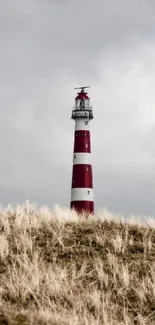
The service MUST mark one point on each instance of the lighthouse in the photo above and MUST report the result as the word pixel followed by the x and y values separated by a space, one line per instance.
pixel 82 198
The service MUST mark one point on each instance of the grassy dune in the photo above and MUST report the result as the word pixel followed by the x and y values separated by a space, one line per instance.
pixel 58 269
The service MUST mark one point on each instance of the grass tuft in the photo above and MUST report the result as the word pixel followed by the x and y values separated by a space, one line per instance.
pixel 58 268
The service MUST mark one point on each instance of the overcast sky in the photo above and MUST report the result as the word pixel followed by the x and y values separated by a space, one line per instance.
pixel 48 47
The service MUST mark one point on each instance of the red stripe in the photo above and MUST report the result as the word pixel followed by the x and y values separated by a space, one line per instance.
pixel 81 206
pixel 82 141
pixel 82 176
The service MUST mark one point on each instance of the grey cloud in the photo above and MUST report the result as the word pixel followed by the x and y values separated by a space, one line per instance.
pixel 71 34
pixel 47 48
pixel 128 194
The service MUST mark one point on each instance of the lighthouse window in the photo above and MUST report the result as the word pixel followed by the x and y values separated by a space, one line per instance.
pixel 74 156
pixel 88 192
pixel 86 122
pixel 86 145
pixel 87 168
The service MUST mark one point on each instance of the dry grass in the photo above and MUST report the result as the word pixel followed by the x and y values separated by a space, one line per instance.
pixel 58 269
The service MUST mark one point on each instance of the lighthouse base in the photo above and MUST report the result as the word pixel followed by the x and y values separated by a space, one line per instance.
pixel 83 206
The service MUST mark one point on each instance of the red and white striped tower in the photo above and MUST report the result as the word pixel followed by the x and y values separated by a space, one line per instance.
pixel 82 199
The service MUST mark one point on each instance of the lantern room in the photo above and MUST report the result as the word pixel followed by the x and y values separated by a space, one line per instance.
pixel 82 108
pixel 82 101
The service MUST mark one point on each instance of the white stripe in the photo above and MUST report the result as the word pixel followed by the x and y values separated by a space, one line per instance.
pixel 80 125
pixel 82 194
pixel 82 158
